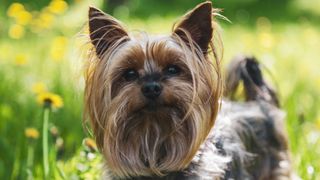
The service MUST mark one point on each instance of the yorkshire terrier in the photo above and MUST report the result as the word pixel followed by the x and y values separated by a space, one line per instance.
pixel 156 108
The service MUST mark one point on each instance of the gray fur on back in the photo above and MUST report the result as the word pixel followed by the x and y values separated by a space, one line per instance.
pixel 242 142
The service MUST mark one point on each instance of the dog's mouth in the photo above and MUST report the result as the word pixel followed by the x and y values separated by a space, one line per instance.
pixel 156 109
pixel 150 106
pixel 153 106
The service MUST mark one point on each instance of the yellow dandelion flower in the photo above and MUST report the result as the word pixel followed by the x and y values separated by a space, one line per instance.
pixel 20 60
pixel 266 40
pixel 58 48
pixel 39 87
pixel 90 143
pixel 45 20
pixel 31 133
pixel 23 17
pixel 16 31
pixel 14 9
pixel 58 6
pixel 48 99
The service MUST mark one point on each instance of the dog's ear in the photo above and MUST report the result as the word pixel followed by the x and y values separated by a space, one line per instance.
pixel 198 24
pixel 104 31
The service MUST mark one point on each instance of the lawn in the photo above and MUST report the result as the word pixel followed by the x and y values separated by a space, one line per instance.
pixel 41 56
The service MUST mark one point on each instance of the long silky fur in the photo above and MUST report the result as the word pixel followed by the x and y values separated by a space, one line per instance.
pixel 188 139
pixel 109 117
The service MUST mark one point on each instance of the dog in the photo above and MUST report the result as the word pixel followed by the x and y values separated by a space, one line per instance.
pixel 157 110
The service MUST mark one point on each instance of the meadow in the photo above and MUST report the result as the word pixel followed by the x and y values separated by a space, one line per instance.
pixel 42 51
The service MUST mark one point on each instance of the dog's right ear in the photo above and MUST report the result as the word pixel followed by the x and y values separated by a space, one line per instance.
pixel 105 31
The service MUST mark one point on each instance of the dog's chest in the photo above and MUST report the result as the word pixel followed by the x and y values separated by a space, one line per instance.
pixel 224 154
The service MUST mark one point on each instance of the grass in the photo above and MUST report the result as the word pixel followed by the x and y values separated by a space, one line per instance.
pixel 51 56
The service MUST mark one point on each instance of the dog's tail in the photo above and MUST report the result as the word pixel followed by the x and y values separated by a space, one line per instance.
pixel 259 124
pixel 246 70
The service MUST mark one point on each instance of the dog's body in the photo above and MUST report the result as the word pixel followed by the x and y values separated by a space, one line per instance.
pixel 153 103
pixel 246 143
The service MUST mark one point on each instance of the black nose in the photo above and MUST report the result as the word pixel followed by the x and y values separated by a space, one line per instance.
pixel 151 90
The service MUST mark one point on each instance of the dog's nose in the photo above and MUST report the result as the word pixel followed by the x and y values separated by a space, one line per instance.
pixel 151 90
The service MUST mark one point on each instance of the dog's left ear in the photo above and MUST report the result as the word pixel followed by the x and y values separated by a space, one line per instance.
pixel 198 24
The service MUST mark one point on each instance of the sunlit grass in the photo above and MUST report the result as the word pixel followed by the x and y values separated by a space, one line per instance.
pixel 44 57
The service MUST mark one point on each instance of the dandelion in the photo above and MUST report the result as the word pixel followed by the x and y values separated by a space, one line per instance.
pixel 31 133
pixel 58 6
pixel 18 12
pixel 16 31
pixel 58 48
pixel 45 20
pixel 90 143
pixel 14 9
pixel 39 87
pixel 20 60
pixel 48 100
pixel 266 40
pixel 23 17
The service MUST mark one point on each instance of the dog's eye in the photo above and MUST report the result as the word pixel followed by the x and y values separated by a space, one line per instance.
pixel 131 75
pixel 172 70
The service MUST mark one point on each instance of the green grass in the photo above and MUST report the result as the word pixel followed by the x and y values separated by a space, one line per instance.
pixel 288 50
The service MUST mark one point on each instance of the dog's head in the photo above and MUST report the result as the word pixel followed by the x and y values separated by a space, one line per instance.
pixel 152 100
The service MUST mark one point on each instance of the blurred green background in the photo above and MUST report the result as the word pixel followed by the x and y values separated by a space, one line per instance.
pixel 42 50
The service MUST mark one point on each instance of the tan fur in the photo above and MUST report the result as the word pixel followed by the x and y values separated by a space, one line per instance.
pixel 135 141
